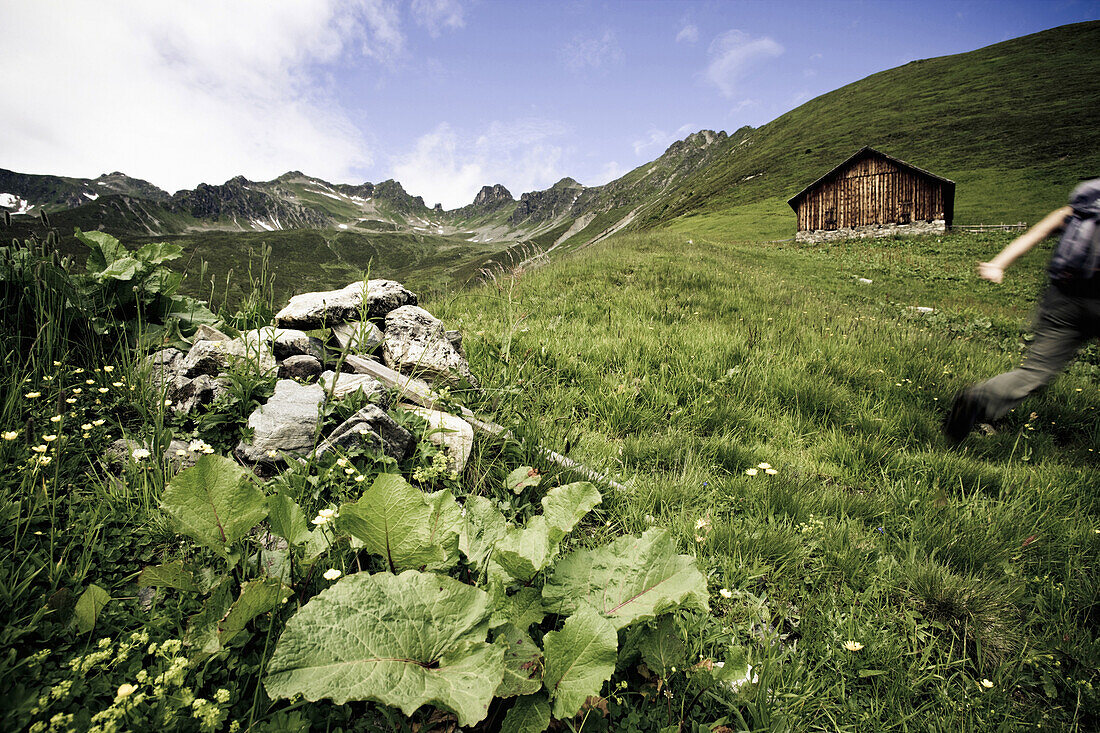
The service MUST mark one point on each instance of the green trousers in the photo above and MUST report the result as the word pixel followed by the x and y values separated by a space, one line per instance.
pixel 1063 325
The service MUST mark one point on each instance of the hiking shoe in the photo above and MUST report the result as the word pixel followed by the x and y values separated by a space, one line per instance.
pixel 964 415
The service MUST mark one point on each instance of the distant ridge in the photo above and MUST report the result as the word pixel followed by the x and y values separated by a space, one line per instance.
pixel 1015 124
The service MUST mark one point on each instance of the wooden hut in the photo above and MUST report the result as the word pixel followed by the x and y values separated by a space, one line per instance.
pixel 872 194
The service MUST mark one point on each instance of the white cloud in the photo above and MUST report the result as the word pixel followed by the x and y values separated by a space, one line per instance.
pixel 732 53
pixel 610 172
pixel 657 141
pixel 435 15
pixel 689 33
pixel 593 52
pixel 743 105
pixel 450 168
pixel 180 93
pixel 654 139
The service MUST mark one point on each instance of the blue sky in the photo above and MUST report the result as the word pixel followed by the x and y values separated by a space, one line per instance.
pixel 443 95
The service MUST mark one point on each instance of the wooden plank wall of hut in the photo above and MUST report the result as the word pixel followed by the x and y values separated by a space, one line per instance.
pixel 871 191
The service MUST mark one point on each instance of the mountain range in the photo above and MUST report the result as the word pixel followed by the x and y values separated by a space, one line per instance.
pixel 1015 124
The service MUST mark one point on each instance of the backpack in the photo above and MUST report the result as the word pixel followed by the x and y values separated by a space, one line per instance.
pixel 1077 255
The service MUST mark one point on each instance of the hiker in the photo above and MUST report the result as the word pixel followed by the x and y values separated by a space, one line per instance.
pixel 1069 314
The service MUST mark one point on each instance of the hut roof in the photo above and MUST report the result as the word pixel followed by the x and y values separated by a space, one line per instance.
pixel 863 152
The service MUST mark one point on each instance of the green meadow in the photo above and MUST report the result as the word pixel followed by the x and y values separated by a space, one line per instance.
pixel 966 575
pixel 760 402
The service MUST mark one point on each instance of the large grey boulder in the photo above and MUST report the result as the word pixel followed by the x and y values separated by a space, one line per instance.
pixel 286 425
pixel 187 394
pixel 164 366
pixel 358 337
pixel 450 432
pixel 416 343
pixel 342 384
pixel 353 302
pixel 209 333
pixel 285 342
pixel 215 357
pixel 371 427
pixel 301 367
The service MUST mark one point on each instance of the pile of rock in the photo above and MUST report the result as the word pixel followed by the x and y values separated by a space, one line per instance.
pixel 378 321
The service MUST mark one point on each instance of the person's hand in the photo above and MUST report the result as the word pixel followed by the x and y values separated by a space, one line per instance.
pixel 991 272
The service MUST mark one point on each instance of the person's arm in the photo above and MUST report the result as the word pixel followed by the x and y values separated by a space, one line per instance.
pixel 994 270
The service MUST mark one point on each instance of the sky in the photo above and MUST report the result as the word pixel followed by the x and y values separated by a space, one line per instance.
pixel 444 96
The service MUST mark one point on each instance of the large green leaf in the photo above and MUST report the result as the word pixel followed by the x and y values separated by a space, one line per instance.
pixel 522 662
pixel 445 524
pixel 257 596
pixel 214 502
pixel 393 519
pixel 630 579
pixel 88 608
pixel 530 714
pixel 170 575
pixel 188 312
pixel 287 519
pixel 521 478
pixel 403 640
pixel 202 628
pixel 525 551
pixel 662 649
pixel 123 269
pixel 155 253
pixel 162 282
pixel 579 659
pixel 483 528
pixel 105 249
pixel 566 505
pixel 522 609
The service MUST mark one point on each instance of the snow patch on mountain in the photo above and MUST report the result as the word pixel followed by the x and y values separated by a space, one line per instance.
pixel 11 201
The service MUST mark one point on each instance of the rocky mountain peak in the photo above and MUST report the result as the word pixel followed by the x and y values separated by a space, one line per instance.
pixel 492 197
pixel 693 143
pixel 396 194
pixel 567 182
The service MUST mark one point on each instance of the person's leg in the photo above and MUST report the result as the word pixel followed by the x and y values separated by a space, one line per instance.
pixel 1061 328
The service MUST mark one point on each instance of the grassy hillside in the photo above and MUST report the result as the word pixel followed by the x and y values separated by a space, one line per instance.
pixel 1015 125
pixel 302 260
pixel 682 367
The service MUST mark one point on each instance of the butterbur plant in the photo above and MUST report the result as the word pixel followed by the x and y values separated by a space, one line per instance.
pixel 458 643
pixel 475 609
pixel 135 292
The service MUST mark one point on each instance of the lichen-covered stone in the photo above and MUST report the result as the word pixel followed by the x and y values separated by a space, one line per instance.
pixel 301 367
pixel 214 357
pixel 448 431
pixel 285 425
pixel 358 337
pixel 416 344
pixel 342 384
pixel 371 427
pixel 191 393
pixel 286 342
pixel 352 302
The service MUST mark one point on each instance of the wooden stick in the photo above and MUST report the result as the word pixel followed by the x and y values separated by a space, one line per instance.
pixel 418 391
